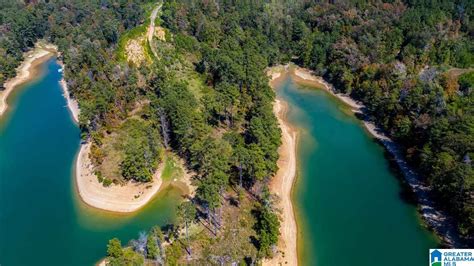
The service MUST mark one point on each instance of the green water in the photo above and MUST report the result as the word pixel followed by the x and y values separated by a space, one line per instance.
pixel 349 205
pixel 350 210
pixel 42 222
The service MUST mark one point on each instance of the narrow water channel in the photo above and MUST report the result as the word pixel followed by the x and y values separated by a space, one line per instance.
pixel 348 202
pixel 42 222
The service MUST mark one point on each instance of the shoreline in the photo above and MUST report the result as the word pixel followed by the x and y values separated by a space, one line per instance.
pixel 72 104
pixel 127 198
pixel 435 219
pixel 25 72
pixel 283 182
pixel 115 198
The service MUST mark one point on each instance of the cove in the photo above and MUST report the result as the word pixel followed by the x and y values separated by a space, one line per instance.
pixel 42 220
pixel 348 202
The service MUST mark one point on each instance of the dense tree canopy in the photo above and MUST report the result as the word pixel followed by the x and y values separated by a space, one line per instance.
pixel 407 61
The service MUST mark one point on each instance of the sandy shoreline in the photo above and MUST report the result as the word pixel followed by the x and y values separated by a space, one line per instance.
pixel 302 75
pixel 26 71
pixel 282 183
pixel 305 75
pixel 116 198
pixel 72 104
pixel 439 221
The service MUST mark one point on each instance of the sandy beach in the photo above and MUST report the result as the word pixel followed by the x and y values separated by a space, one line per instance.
pixel 26 71
pixel 282 183
pixel 116 198
pixel 72 104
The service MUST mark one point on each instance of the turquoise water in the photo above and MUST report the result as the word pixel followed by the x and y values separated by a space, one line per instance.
pixel 350 211
pixel 42 222
pixel 349 205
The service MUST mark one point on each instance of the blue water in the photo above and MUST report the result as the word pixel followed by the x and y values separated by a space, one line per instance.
pixel 42 221
pixel 349 205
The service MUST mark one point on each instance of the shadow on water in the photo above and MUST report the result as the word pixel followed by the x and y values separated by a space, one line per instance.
pixel 415 191
pixel 406 193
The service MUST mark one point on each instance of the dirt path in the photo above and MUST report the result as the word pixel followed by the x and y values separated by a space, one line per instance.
pixel 151 28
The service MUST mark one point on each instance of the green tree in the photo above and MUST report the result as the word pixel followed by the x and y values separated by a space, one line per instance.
pixel 267 228
pixel 114 248
pixel 152 247
pixel 129 258
pixel 186 214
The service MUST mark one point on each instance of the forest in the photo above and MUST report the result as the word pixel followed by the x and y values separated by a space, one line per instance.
pixel 410 63
pixel 206 98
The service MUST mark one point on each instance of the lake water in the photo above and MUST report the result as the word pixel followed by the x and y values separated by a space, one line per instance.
pixel 349 203
pixel 42 222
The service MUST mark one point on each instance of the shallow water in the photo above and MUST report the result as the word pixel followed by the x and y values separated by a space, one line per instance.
pixel 349 205
pixel 42 222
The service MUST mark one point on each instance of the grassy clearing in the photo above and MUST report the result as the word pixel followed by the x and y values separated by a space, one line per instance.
pixel 148 52
pixel 133 34
pixel 110 166
pixel 172 169
pixel 183 65
pixel 195 81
